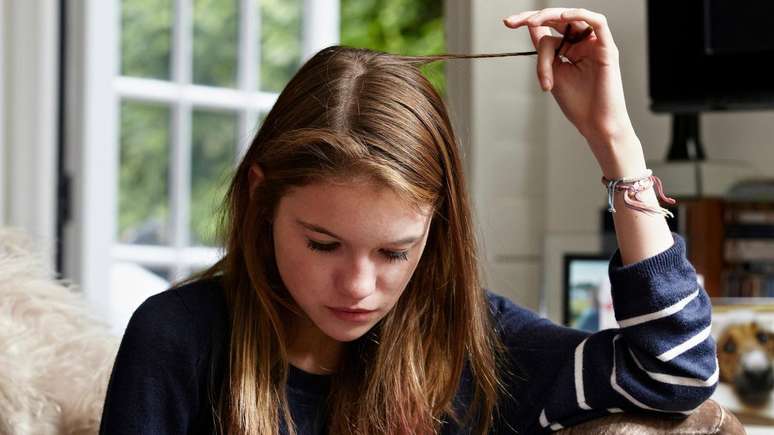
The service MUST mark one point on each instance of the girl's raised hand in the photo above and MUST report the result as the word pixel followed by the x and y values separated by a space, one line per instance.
pixel 587 83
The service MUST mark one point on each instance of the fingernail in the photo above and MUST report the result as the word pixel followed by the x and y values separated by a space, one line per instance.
pixel 546 84
pixel 506 21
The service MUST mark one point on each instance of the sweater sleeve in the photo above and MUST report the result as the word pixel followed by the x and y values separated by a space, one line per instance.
pixel 660 359
pixel 153 386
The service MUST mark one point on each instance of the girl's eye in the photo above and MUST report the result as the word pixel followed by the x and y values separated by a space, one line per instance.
pixel 324 247
pixel 392 256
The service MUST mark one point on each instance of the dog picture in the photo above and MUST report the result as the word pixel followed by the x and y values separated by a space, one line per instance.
pixel 744 334
pixel 746 361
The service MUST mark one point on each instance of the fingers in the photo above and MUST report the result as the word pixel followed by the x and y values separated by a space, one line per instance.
pixel 545 65
pixel 520 19
pixel 549 14
pixel 595 20
pixel 537 33
pixel 581 23
pixel 558 18
pixel 511 20
pixel 576 27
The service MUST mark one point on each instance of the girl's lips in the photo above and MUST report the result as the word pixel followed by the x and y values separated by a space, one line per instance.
pixel 352 310
pixel 352 315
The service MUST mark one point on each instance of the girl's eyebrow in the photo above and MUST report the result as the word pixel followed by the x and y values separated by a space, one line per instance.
pixel 319 229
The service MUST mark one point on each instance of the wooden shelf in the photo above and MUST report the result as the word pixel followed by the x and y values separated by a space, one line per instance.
pixel 703 227
pixel 704 234
pixel 753 301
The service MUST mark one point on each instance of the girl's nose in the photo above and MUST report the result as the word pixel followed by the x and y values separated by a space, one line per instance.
pixel 358 281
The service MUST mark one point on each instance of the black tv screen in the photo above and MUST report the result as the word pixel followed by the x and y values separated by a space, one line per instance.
pixel 710 55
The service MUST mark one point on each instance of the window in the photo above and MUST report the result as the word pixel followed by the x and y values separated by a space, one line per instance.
pixel 186 85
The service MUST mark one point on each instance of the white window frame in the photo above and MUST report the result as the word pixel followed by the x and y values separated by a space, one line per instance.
pixel 94 92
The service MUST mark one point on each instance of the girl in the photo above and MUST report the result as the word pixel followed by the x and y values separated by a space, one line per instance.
pixel 348 300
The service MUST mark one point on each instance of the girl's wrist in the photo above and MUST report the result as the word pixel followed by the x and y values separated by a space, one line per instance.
pixel 621 157
pixel 626 168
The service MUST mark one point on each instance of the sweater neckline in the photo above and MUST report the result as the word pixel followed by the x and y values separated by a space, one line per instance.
pixel 304 381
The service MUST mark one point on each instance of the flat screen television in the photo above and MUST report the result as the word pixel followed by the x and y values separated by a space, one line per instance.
pixel 710 55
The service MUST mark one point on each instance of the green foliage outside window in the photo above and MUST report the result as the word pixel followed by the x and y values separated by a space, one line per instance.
pixel 214 135
pixel 215 42
pixel 146 38
pixel 411 27
pixel 280 42
pixel 143 194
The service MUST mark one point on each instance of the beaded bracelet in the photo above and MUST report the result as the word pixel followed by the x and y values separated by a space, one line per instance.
pixel 632 186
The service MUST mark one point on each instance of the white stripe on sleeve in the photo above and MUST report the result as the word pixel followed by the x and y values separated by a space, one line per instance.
pixel 544 422
pixel 686 345
pixel 629 397
pixel 579 392
pixel 668 311
pixel 680 380
pixel 543 419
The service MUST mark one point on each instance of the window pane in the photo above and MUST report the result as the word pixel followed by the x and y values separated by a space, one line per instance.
pixel 212 161
pixel 143 191
pixel 160 272
pixel 280 42
pixel 215 42
pixel 146 38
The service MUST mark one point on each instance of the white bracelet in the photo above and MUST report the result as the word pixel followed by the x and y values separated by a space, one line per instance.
pixel 632 186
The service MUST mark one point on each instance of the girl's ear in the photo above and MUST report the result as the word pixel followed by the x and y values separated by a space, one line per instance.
pixel 255 177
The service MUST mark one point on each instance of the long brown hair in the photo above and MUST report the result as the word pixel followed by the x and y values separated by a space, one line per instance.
pixel 360 113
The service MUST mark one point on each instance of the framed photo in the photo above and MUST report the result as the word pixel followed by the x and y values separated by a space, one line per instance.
pixel 588 304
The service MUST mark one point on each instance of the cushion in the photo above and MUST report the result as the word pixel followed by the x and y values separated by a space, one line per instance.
pixel 709 418
pixel 56 355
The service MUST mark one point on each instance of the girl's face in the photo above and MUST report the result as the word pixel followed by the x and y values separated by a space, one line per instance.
pixel 345 247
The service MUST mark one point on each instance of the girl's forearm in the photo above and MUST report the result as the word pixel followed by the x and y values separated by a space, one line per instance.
pixel 640 235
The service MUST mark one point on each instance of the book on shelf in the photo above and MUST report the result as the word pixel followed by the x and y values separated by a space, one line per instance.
pixel 749 231
pixel 748 241
pixel 749 213
pixel 736 250
pixel 740 283
pixel 748 250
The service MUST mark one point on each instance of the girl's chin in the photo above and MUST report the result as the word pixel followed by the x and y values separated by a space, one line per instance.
pixel 345 334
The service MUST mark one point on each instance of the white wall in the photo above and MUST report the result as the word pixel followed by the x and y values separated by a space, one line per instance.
pixel 503 130
pixel 29 78
pixel 3 169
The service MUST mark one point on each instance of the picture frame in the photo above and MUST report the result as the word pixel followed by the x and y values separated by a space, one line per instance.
pixel 727 313
pixel 587 301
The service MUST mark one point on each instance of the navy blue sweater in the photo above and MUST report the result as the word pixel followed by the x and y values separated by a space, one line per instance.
pixel 661 359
